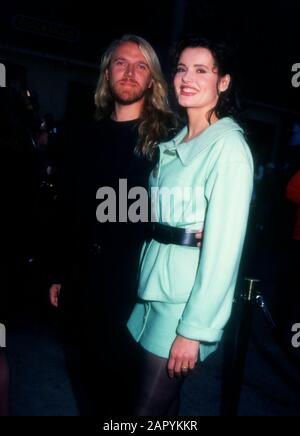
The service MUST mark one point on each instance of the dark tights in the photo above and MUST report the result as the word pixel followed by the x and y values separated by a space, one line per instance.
pixel 4 377
pixel 158 394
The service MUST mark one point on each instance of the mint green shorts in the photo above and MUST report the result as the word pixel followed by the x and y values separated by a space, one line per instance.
pixel 153 324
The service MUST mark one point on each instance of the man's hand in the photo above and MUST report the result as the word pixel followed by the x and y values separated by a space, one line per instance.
pixel 198 235
pixel 54 292
pixel 183 356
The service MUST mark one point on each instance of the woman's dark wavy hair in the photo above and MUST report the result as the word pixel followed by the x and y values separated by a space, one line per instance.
pixel 225 62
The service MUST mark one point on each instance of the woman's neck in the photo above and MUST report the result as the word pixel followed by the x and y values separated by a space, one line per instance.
pixel 198 122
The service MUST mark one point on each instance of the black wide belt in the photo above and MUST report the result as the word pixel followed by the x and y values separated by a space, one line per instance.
pixel 166 234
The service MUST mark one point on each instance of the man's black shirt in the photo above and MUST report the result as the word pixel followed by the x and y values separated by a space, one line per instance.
pixel 100 155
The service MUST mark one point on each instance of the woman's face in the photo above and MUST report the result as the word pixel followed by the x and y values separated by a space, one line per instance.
pixel 196 81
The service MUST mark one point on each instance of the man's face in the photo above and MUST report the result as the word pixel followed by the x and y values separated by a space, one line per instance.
pixel 129 75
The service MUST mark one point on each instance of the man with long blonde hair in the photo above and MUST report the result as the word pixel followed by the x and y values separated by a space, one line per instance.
pixel 135 86
pixel 132 117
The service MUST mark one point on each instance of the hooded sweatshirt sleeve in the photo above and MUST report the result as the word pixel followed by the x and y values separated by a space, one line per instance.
pixel 228 192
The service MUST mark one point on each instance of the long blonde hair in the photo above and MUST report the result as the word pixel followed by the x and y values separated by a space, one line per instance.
pixel 156 119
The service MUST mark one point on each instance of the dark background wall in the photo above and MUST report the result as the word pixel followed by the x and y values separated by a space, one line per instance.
pixel 75 34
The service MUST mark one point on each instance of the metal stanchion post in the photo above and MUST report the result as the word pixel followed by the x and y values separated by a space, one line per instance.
pixel 236 338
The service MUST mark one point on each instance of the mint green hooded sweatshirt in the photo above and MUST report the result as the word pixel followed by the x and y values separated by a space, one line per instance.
pixel 205 183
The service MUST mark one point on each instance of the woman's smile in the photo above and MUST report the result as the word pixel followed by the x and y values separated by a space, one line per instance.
pixel 188 90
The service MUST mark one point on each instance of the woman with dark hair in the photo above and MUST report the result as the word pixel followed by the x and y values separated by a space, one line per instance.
pixel 203 180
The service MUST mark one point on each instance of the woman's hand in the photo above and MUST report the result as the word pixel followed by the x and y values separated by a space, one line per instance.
pixel 198 236
pixel 183 356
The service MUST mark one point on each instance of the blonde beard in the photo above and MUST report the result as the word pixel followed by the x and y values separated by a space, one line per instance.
pixel 127 97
